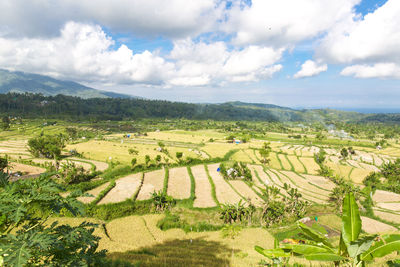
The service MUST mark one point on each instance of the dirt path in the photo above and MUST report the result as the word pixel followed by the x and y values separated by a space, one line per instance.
pixel 202 189
pixel 179 183
pixel 125 188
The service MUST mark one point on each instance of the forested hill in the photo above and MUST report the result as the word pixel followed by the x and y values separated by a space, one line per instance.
pixel 60 106
pixel 68 107
pixel 22 82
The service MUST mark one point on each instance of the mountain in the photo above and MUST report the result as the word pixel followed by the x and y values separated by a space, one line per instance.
pixel 22 82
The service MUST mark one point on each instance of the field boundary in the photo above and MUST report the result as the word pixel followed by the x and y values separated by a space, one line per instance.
pixel 213 192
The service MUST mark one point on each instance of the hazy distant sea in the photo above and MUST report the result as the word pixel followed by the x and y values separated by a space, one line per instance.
pixel 371 110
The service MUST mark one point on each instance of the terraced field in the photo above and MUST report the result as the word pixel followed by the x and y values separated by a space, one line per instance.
pixel 203 190
pixel 225 193
pixel 387 206
pixel 179 183
pixel 125 187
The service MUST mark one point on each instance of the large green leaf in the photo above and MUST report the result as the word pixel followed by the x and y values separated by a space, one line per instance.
pixel 360 246
pixel 272 253
pixel 313 235
pixel 351 220
pixel 383 247
pixel 324 257
pixel 306 249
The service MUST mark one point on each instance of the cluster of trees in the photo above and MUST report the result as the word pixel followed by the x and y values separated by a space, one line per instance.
pixel 238 170
pixel 388 178
pixel 274 210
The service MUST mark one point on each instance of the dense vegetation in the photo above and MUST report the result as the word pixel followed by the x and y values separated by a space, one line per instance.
pixel 68 107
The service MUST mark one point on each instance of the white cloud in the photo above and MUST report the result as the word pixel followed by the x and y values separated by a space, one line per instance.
pixel 173 18
pixel 379 70
pixel 285 22
pixel 371 43
pixel 310 68
pixel 84 53
pixel 201 63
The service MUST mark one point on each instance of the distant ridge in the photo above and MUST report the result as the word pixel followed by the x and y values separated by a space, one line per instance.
pixel 23 82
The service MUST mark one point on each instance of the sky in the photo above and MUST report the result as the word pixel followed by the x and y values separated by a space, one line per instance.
pixel 296 53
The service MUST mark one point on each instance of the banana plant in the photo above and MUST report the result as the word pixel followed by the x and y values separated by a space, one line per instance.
pixel 353 249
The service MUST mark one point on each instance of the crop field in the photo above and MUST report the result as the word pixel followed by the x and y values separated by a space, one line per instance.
pixel 225 193
pixel 190 231
pixel 153 182
pixel 125 188
pixel 203 189
pixel 179 183
pixel 310 164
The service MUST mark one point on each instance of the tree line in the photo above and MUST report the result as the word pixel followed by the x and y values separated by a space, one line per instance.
pixel 68 107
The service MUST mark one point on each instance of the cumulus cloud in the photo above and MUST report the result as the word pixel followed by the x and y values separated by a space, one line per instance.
pixel 379 70
pixel 201 63
pixel 173 18
pixel 83 52
pixel 285 22
pixel 371 43
pixel 310 68
pixel 86 53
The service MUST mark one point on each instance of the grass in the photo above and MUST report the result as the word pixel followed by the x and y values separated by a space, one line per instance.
pixel 103 193
pixel 192 184
pixel 213 192
pixel 166 178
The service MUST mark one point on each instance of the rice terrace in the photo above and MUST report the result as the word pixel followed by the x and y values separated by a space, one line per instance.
pixel 171 192
pixel 226 133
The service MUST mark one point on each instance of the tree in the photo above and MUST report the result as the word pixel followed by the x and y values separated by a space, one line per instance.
pixel 179 155
pixel 5 123
pixel 264 154
pixel 147 159
pixel 133 162
pixel 48 146
pixel 158 159
pixel 344 153
pixel 352 248
pixel 4 163
pixel 25 237
pixel 132 151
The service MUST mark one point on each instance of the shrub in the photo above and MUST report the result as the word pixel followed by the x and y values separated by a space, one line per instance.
pixel 73 174
pixel 161 201
pixel 237 171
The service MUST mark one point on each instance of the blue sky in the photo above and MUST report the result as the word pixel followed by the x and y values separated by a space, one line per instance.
pixel 297 53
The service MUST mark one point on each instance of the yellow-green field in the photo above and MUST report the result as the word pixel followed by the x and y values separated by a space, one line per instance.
pixel 199 189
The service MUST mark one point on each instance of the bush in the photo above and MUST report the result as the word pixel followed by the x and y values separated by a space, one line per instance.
pixel 237 171
pixel 73 174
pixel 161 201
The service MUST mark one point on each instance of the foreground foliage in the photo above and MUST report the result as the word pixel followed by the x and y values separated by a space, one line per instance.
pixel 353 248
pixel 25 237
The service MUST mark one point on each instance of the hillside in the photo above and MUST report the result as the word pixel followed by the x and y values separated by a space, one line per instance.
pixel 22 82
pixel 60 106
